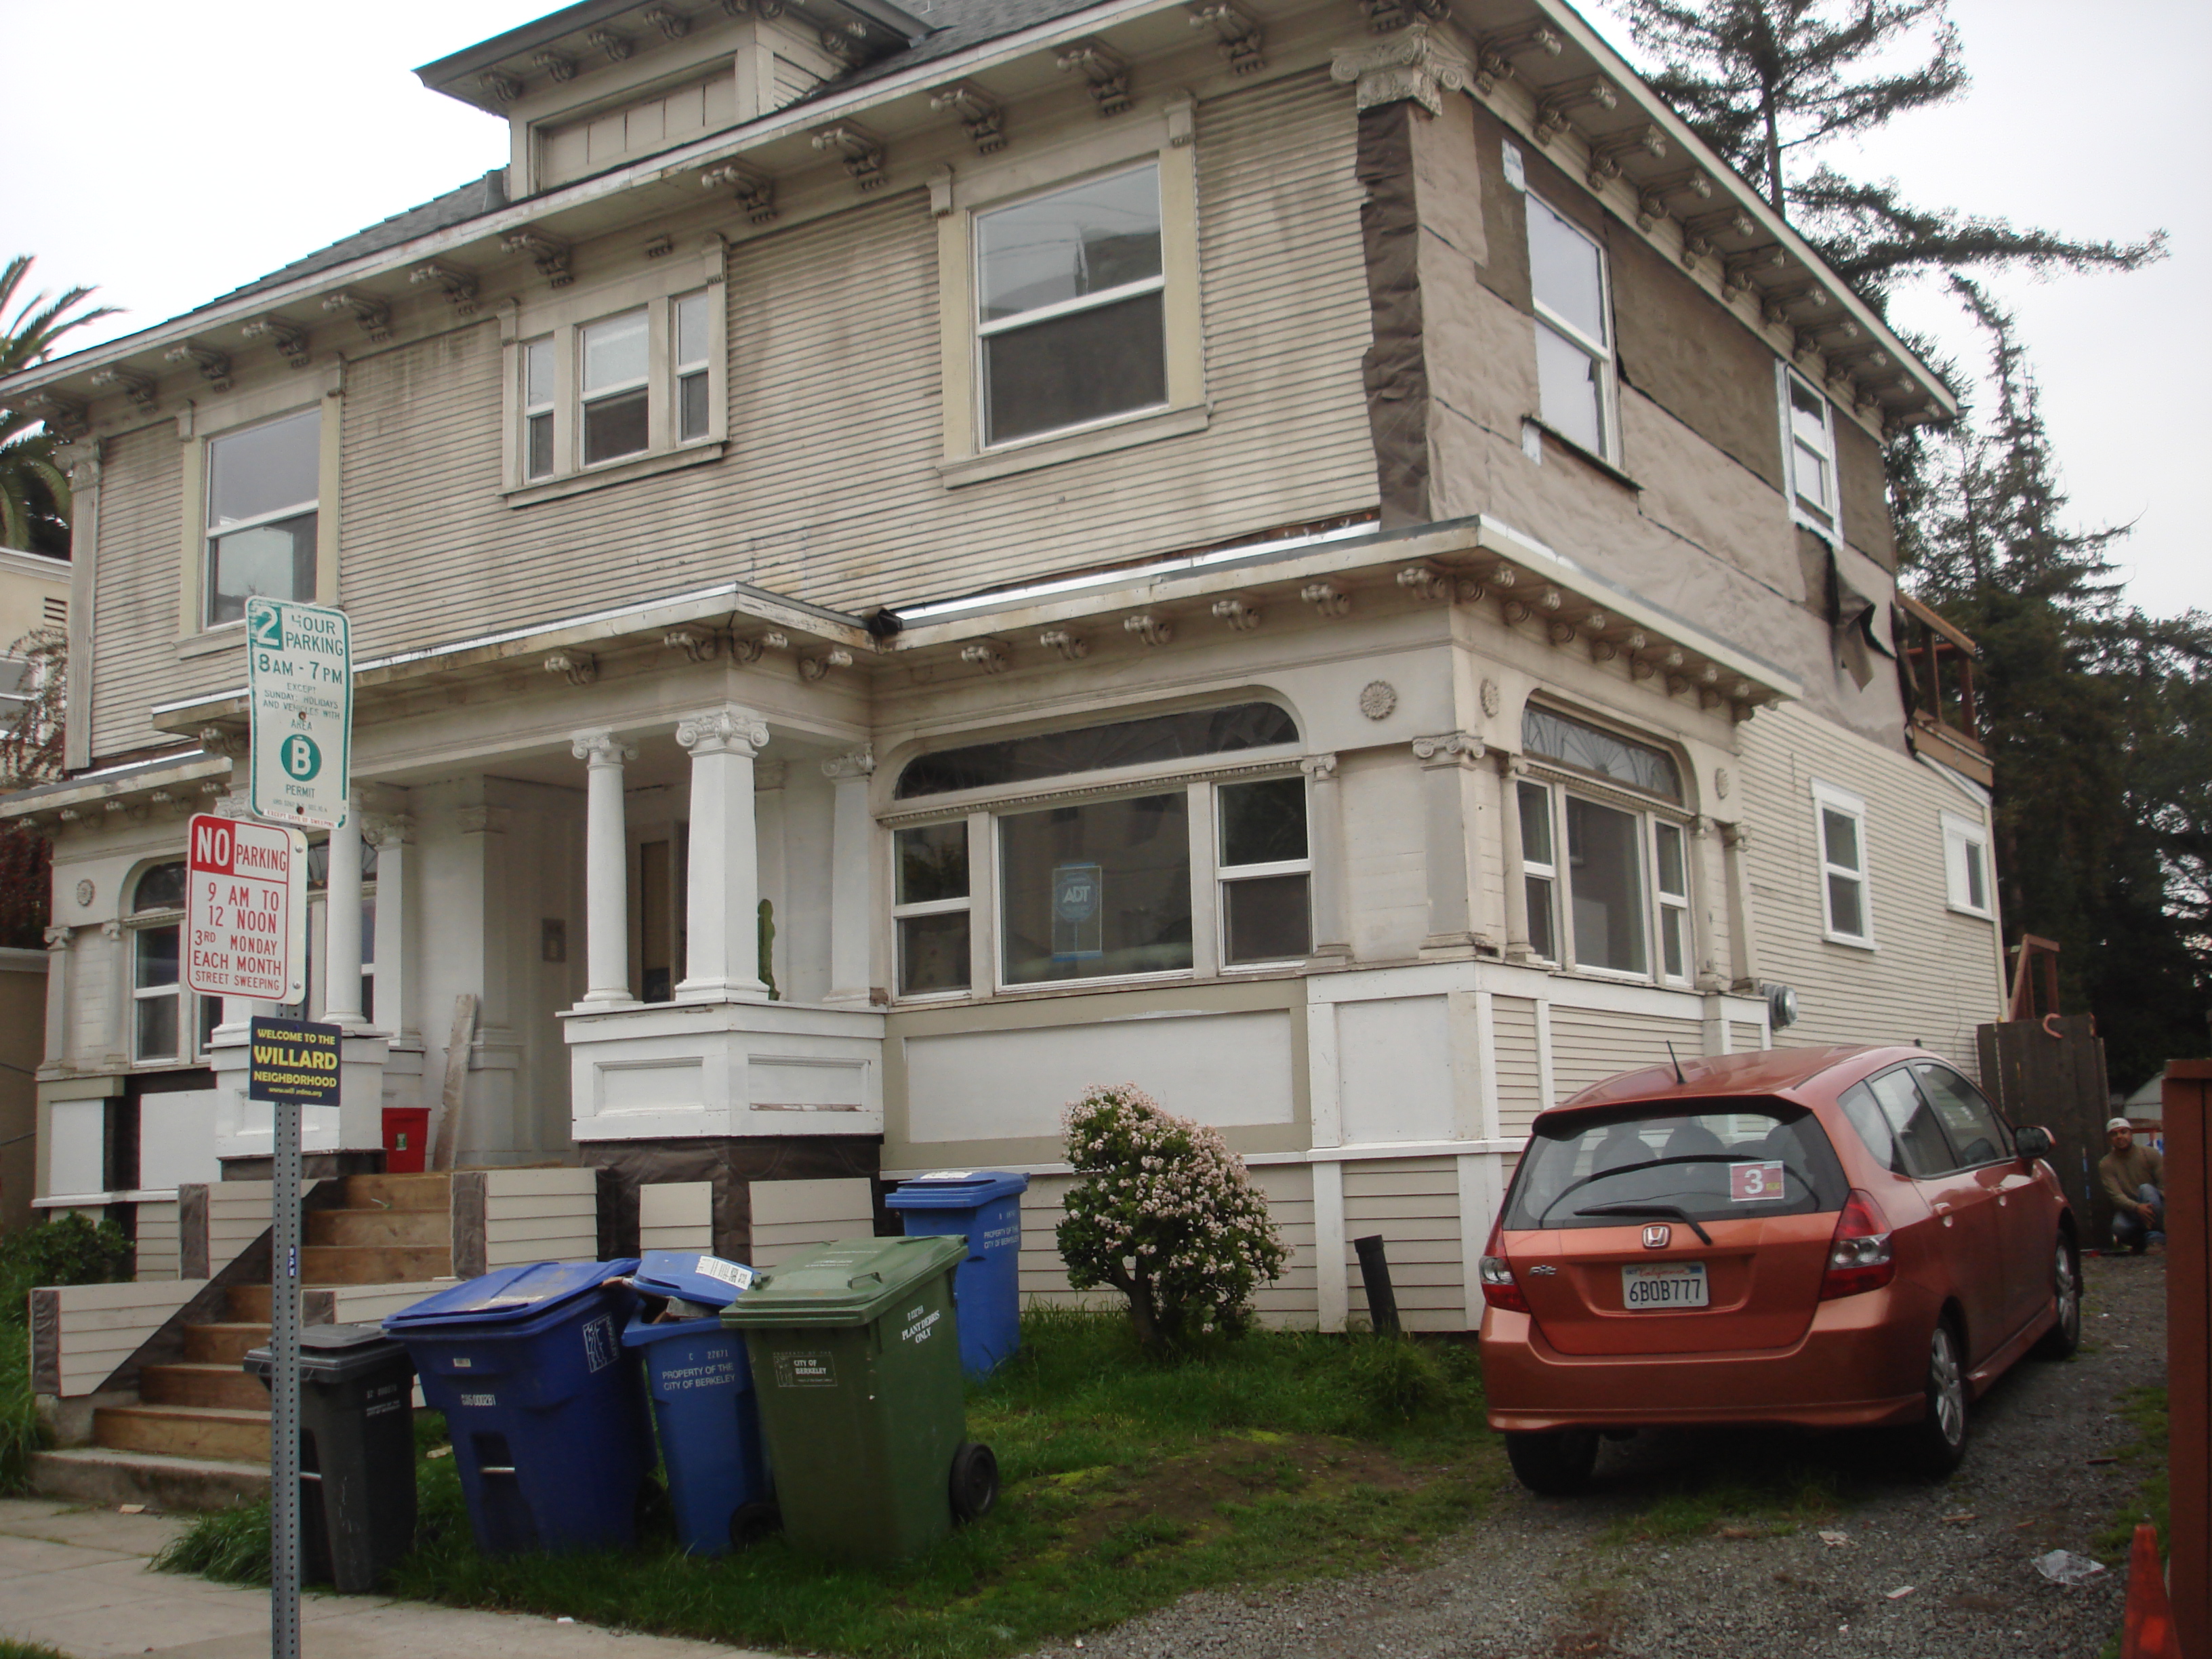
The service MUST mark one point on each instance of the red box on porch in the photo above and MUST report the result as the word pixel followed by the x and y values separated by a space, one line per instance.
pixel 406 1138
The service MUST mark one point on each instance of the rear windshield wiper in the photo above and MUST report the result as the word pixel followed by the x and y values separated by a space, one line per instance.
pixel 1673 1212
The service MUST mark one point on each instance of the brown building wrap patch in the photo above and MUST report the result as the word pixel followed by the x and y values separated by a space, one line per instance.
pixel 1395 367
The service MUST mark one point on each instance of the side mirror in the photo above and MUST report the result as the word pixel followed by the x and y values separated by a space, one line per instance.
pixel 2033 1142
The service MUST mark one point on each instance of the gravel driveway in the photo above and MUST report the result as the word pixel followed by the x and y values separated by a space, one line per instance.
pixel 1921 1570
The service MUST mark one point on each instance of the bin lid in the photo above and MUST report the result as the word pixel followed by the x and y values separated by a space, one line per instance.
pixel 707 1279
pixel 956 1189
pixel 331 1353
pixel 848 1283
pixel 509 1293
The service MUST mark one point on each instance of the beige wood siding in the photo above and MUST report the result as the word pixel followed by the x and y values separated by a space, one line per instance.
pixel 791 1216
pixel 1932 975
pixel 136 584
pixel 1041 1273
pixel 1589 1045
pixel 675 1215
pixel 1413 1203
pixel 1289 1190
pixel 158 1244
pixel 1520 1077
pixel 540 1215
pixel 101 1325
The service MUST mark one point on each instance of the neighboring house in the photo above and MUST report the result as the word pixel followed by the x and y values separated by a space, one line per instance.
pixel 1329 561
pixel 34 598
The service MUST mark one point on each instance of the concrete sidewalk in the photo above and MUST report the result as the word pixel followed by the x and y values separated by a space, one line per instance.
pixel 77 1579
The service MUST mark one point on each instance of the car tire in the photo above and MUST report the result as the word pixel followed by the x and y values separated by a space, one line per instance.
pixel 2065 1335
pixel 1936 1444
pixel 974 1482
pixel 1557 1464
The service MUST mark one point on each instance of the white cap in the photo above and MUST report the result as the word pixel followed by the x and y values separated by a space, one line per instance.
pixel 2117 1123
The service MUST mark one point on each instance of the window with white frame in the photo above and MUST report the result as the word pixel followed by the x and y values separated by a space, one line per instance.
pixel 1070 297
pixel 1156 871
pixel 262 493
pixel 1966 864
pixel 167 1022
pixel 1574 330
pixel 602 380
pixel 1605 860
pixel 1839 835
pixel 1809 449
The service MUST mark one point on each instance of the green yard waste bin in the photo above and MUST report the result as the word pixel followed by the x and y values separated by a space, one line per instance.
pixel 856 1365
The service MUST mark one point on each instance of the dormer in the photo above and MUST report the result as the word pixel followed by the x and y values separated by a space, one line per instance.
pixel 599 85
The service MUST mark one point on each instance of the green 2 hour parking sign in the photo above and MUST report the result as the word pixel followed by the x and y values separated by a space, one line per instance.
pixel 300 678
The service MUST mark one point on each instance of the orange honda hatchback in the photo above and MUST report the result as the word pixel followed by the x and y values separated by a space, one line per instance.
pixel 1823 1238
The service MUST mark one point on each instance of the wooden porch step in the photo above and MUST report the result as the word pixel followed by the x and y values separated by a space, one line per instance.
pixel 430 1228
pixel 94 1475
pixel 228 1386
pixel 248 1304
pixel 399 1191
pixel 223 1343
pixel 373 1264
pixel 203 1432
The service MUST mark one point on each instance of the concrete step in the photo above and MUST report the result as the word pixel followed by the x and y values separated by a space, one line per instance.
pixel 206 1431
pixel 227 1385
pixel 399 1191
pixel 373 1264
pixel 247 1304
pixel 223 1343
pixel 94 1475
pixel 423 1228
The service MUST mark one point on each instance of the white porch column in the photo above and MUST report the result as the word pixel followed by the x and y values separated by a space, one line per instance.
pixel 1735 858
pixel 342 925
pixel 392 834
pixel 606 896
pixel 1332 936
pixel 1510 768
pixel 852 894
pixel 723 910
pixel 58 993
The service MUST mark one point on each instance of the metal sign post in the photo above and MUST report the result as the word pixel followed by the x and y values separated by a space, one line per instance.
pixel 290 1063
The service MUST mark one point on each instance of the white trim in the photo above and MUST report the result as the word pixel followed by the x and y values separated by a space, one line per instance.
pixel 1827 798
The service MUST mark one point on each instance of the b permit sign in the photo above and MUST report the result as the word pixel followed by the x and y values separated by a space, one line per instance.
pixel 246 909
pixel 299 667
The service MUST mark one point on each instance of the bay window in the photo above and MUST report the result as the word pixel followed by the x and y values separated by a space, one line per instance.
pixel 1164 859
pixel 1617 902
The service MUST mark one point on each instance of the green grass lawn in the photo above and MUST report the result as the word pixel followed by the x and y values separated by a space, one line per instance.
pixel 1128 1482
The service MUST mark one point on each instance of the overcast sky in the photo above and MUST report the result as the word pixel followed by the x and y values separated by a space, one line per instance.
pixel 173 152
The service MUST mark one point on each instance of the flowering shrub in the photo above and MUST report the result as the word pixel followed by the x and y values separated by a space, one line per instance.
pixel 1166 1215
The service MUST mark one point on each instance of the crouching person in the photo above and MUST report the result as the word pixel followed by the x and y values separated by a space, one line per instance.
pixel 2135 1177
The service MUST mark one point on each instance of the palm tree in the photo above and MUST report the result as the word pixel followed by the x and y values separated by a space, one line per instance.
pixel 34 493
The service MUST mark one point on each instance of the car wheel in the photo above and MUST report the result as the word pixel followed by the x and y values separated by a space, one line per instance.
pixel 1556 1464
pixel 2065 1335
pixel 1937 1443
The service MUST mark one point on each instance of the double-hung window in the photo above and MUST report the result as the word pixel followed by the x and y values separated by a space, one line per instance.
pixel 166 1021
pixel 1605 866
pixel 262 490
pixel 1839 819
pixel 1144 860
pixel 1070 294
pixel 1574 331
pixel 1966 864
pixel 1808 447
pixel 602 383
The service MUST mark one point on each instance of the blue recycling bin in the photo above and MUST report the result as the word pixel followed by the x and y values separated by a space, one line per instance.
pixel 985 1204
pixel 547 1420
pixel 701 1389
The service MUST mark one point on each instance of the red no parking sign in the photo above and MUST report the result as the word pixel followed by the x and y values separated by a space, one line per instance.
pixel 245 910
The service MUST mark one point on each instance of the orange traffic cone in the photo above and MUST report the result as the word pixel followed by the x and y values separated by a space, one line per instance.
pixel 2149 1632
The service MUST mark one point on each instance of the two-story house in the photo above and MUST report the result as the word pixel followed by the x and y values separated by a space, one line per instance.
pixel 1326 559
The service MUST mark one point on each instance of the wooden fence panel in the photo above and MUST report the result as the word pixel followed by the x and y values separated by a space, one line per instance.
pixel 2188 1347
pixel 2052 1073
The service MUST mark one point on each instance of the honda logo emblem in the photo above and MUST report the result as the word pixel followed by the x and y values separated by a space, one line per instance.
pixel 1657 1236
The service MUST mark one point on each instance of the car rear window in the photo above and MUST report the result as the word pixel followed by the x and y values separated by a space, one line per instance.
pixel 1701 1161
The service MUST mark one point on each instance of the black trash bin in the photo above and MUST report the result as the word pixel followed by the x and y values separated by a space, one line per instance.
pixel 356 1453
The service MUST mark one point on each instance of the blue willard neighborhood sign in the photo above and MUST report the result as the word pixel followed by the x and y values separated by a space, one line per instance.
pixel 292 1059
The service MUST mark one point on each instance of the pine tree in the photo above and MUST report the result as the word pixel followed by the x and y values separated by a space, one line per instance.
pixel 1766 81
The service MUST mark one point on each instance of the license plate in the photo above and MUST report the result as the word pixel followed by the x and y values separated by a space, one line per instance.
pixel 1677 1285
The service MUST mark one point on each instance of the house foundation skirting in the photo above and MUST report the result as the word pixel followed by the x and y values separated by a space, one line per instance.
pixel 729 1163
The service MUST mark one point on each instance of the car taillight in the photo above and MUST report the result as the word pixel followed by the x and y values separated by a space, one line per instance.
pixel 1499 1288
pixel 1858 1255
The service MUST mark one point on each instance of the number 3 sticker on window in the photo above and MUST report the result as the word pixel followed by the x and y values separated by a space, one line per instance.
pixel 1752 1183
